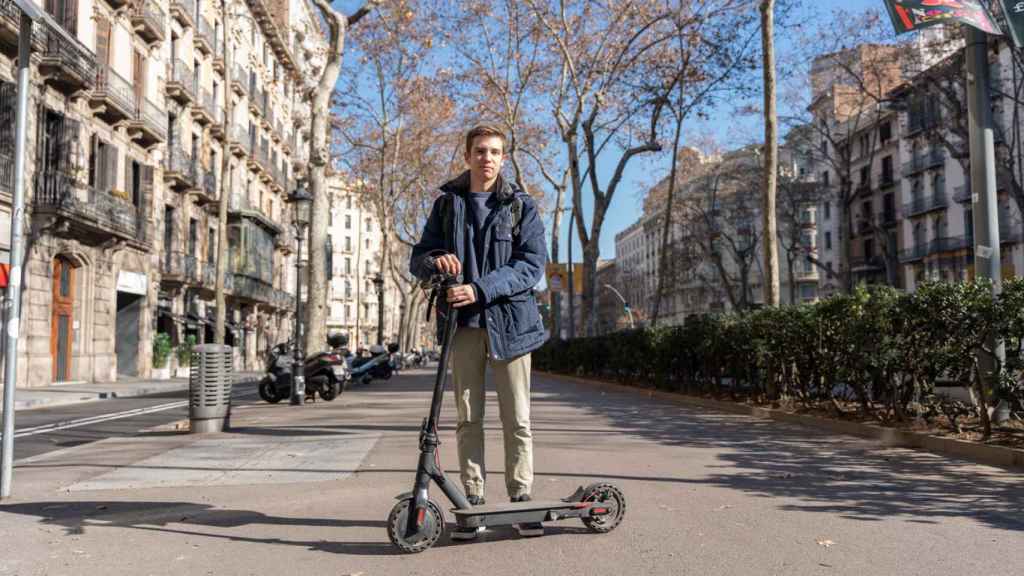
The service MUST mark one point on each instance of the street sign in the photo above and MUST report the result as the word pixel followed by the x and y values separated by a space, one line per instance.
pixel 912 15
pixel 1014 12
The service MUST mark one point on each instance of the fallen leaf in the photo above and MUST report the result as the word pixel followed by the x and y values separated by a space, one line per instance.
pixel 826 543
pixel 725 506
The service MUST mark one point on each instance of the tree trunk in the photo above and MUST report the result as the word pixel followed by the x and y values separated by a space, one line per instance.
pixel 225 192
pixel 319 157
pixel 771 248
pixel 666 229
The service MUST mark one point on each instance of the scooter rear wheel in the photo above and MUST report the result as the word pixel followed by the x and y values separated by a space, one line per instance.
pixel 610 498
pixel 329 391
pixel 433 527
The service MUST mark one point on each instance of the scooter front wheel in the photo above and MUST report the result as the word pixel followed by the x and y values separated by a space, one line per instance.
pixel 431 528
pixel 268 392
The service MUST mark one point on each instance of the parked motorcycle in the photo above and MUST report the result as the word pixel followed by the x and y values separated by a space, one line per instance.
pixel 373 364
pixel 326 372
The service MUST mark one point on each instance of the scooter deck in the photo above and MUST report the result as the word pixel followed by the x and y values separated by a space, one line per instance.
pixel 520 512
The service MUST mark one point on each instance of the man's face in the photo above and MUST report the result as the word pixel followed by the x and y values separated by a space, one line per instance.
pixel 486 156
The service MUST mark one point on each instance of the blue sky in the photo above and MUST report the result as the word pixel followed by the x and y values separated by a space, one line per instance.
pixel 728 128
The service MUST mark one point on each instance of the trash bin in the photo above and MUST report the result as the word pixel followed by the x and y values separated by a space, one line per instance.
pixel 209 385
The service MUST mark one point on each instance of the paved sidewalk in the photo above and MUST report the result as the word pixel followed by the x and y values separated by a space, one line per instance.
pixel 64 394
pixel 306 490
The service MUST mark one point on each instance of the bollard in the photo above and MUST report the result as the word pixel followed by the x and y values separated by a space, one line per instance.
pixel 209 384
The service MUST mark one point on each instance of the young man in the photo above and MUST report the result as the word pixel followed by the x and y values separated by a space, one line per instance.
pixel 489 231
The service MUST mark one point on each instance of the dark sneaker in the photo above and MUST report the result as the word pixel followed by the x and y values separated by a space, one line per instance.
pixel 521 498
pixel 464 533
pixel 475 500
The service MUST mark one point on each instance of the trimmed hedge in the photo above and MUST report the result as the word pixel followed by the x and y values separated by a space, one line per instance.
pixel 880 348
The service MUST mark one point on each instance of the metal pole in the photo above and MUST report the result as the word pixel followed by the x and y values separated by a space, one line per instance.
pixel 380 311
pixel 984 214
pixel 625 305
pixel 12 305
pixel 569 267
pixel 298 373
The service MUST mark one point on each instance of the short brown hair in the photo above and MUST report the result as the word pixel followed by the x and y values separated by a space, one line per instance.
pixel 484 130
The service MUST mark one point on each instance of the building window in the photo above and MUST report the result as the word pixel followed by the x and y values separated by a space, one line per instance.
pixel 828 210
pixel 348 221
pixel 885 132
pixel 348 243
pixel 367 224
pixel 828 240
pixel 348 265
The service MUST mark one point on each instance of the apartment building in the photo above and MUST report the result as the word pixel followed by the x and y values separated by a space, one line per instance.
pixel 356 248
pixel 127 139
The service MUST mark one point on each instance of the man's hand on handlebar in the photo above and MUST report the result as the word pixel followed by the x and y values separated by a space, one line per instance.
pixel 448 264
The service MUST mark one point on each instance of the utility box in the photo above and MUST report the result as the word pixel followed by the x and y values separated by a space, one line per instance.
pixel 209 384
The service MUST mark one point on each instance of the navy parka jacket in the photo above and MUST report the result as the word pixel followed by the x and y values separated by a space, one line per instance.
pixel 512 265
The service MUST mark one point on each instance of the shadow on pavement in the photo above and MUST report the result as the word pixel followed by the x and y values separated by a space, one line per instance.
pixel 187 518
pixel 815 471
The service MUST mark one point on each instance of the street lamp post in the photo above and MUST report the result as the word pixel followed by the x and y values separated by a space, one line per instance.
pixel 302 201
pixel 625 305
pixel 378 282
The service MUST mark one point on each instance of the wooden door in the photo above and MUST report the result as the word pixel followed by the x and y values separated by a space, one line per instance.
pixel 61 327
pixel 139 78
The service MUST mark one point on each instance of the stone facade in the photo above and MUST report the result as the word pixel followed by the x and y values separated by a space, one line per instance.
pixel 127 136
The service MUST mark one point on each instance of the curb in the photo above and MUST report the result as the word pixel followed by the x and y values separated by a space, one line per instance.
pixel 981 453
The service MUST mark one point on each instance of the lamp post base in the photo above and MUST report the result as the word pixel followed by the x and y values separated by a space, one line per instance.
pixel 298 391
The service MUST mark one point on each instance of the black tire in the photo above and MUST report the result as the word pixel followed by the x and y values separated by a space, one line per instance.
pixel 609 497
pixel 433 527
pixel 329 391
pixel 268 392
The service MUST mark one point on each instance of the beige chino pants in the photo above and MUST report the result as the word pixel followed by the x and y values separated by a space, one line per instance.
pixel 469 361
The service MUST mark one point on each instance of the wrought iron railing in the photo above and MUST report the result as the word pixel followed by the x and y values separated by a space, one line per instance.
pixel 153 116
pixel 923 204
pixel 239 77
pixel 67 53
pixel 204 30
pixel 240 136
pixel 99 208
pixel 924 161
pixel 184 76
pixel 178 162
pixel 149 13
pixel 185 8
pixel 112 86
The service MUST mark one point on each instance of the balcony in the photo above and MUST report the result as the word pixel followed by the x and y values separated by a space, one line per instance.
pixel 867 264
pixel 239 207
pixel 218 55
pixel 914 253
pixel 172 268
pixel 202 36
pixel 149 126
pixel 918 122
pixel 113 99
pixel 193 270
pixel 183 11
pixel 925 204
pixel 239 141
pixel 181 82
pixel 253 290
pixel 217 127
pixel 149 21
pixel 886 180
pixel 862 188
pixel 179 169
pixel 923 161
pixel 202 112
pixel 66 63
pixel 205 189
pixel 10 23
pixel 86 214
pixel 239 80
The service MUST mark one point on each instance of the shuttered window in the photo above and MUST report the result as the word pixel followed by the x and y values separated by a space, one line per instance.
pixel 102 40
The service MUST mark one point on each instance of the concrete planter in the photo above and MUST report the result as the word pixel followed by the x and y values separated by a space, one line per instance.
pixel 181 372
pixel 162 373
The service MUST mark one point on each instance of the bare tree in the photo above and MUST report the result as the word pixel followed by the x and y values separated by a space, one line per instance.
pixel 319 157
pixel 771 155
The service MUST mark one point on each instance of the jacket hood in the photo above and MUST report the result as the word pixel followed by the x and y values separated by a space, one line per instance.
pixel 460 185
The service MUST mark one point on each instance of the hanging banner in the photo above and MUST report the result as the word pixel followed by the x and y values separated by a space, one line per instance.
pixel 912 15
pixel 1013 10
pixel 558 277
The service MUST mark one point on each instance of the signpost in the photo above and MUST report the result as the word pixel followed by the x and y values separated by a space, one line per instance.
pixel 910 15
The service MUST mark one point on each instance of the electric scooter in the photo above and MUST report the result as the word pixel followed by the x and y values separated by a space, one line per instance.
pixel 416 522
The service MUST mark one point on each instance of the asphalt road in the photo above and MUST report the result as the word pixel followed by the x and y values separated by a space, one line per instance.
pixel 707 494
pixel 47 429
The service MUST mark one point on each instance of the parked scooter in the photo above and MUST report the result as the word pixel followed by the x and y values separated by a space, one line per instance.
pixel 374 364
pixel 326 371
